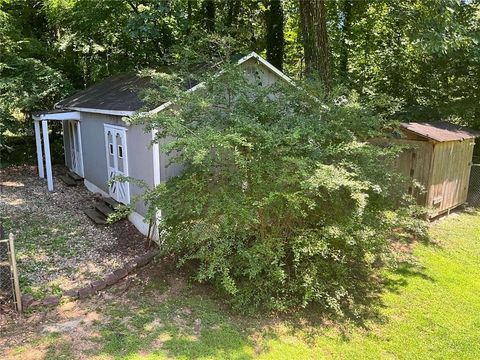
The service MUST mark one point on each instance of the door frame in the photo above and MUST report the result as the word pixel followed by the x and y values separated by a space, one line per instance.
pixel 74 126
pixel 123 130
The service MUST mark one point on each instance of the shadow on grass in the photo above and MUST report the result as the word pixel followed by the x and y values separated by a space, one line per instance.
pixel 193 322
pixel 150 319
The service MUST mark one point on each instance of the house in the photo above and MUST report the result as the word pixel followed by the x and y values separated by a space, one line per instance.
pixel 438 157
pixel 99 144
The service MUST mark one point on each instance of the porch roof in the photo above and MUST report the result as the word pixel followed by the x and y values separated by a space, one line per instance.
pixel 56 115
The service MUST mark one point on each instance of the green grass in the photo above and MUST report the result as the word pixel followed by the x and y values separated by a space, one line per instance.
pixel 430 311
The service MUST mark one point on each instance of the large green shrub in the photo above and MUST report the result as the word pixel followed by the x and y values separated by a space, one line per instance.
pixel 282 202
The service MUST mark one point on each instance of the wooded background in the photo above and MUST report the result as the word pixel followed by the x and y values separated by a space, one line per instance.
pixel 419 57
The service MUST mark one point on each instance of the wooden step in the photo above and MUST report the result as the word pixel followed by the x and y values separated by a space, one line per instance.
pixel 111 202
pixel 74 176
pixel 96 216
pixel 67 180
pixel 103 208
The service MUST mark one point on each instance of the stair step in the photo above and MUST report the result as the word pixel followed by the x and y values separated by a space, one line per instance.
pixel 96 216
pixel 67 180
pixel 74 176
pixel 104 208
pixel 111 202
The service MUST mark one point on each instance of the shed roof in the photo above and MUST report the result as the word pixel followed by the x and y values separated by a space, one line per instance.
pixel 118 92
pixel 440 131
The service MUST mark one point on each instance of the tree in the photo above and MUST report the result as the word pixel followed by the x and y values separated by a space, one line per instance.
pixel 233 13
pixel 346 19
pixel 315 40
pixel 277 209
pixel 209 10
pixel 28 78
pixel 275 37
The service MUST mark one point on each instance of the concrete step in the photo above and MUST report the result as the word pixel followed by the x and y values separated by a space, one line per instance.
pixel 96 216
pixel 67 180
pixel 103 208
pixel 111 202
pixel 74 176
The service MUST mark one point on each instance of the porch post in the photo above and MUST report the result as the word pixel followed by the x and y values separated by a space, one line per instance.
pixel 48 160
pixel 38 141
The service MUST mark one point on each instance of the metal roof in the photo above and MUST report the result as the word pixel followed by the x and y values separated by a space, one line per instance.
pixel 440 131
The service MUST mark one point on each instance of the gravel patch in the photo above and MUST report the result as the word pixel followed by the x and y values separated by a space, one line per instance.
pixel 58 246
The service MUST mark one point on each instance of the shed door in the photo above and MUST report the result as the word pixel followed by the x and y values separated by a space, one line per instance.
pixel 117 162
pixel 76 160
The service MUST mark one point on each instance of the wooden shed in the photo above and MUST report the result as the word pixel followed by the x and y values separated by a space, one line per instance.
pixel 440 160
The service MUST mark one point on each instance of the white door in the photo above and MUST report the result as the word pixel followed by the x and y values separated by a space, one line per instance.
pixel 117 162
pixel 76 160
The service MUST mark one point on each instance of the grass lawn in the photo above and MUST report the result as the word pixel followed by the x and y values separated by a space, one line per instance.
pixel 428 311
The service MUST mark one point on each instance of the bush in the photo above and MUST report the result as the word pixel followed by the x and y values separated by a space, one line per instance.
pixel 283 202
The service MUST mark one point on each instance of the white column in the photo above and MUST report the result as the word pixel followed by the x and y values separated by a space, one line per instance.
pixel 48 160
pixel 38 141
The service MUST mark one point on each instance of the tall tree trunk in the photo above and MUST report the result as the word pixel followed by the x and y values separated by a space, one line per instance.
pixel 275 36
pixel 189 16
pixel 209 14
pixel 233 12
pixel 346 37
pixel 315 40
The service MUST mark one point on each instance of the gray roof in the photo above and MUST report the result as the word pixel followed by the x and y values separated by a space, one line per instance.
pixel 118 92
pixel 45 112
pixel 121 92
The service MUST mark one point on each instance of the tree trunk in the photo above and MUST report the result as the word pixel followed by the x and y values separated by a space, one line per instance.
pixel 209 14
pixel 315 40
pixel 275 36
pixel 189 16
pixel 346 37
pixel 233 12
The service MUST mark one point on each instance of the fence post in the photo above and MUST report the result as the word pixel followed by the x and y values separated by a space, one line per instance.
pixel 13 263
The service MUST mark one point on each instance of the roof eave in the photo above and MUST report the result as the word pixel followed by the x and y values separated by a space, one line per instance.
pixel 99 111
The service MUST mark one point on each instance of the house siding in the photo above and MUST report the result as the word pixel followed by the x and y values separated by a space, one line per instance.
pixel 140 156
pixel 140 163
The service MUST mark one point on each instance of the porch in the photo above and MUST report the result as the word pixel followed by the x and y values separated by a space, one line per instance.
pixel 71 126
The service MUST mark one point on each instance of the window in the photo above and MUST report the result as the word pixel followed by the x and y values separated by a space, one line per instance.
pixel 120 151
pixel 110 146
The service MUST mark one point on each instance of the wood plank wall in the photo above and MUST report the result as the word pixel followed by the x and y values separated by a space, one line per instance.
pixel 450 175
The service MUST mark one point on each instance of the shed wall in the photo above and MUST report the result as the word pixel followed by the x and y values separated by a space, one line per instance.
pixel 450 175
pixel 140 156
pixel 416 163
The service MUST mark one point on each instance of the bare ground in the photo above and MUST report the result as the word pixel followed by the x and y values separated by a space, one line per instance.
pixel 58 247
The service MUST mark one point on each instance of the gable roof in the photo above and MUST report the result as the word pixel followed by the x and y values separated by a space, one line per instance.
pixel 440 131
pixel 120 94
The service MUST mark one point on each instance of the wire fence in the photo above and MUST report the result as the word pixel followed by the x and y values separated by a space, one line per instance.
pixel 10 297
pixel 473 198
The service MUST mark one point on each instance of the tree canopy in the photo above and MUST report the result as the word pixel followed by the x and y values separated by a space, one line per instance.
pixel 422 54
